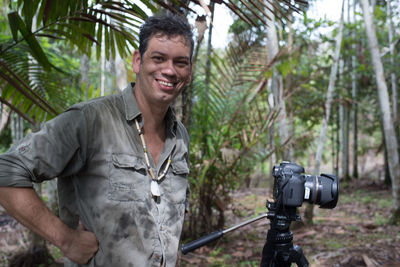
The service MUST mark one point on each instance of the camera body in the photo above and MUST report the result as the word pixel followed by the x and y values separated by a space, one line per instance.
pixel 292 187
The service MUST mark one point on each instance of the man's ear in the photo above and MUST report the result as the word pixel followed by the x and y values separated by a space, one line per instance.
pixel 136 61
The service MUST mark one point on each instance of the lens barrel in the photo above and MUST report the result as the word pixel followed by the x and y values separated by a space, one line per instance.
pixel 322 190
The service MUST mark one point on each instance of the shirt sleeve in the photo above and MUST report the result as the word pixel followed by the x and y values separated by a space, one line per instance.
pixel 57 150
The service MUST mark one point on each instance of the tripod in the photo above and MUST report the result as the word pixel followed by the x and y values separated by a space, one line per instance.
pixel 279 250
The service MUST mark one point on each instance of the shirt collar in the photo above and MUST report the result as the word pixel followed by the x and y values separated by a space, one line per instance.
pixel 132 110
pixel 131 107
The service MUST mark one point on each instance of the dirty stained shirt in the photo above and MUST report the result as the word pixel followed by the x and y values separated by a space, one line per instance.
pixel 95 151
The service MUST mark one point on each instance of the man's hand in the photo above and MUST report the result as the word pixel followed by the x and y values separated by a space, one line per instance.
pixel 81 245
pixel 25 205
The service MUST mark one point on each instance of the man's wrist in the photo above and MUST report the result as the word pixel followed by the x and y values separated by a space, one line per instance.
pixel 64 238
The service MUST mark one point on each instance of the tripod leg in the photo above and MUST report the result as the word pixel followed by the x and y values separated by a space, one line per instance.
pixel 298 257
pixel 268 254
pixel 270 257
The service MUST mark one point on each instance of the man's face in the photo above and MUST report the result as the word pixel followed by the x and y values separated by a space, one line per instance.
pixel 164 69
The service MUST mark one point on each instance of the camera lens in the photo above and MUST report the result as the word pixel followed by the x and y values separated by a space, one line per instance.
pixel 322 190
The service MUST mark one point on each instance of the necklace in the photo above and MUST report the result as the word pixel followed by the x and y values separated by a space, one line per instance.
pixel 154 187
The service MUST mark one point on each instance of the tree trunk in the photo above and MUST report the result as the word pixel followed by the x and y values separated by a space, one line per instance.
pixel 337 142
pixel 121 75
pixel 5 117
pixel 85 68
pixel 289 85
pixel 207 191
pixel 392 73
pixel 386 173
pixel 102 66
pixel 344 126
pixel 187 94
pixel 17 131
pixel 271 140
pixel 308 215
pixel 354 103
pixel 277 84
pixel 388 127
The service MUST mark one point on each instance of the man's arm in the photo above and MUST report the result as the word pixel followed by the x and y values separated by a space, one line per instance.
pixel 25 205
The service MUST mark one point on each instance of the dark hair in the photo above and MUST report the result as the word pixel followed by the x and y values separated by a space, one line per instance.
pixel 166 24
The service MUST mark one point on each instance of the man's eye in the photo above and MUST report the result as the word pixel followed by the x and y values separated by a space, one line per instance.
pixel 182 63
pixel 158 59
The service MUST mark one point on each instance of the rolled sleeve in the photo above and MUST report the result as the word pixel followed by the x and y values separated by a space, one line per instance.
pixel 58 149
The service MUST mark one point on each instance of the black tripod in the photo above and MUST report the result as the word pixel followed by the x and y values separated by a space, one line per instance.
pixel 279 250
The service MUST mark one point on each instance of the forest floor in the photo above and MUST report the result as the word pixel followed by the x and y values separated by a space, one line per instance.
pixel 355 233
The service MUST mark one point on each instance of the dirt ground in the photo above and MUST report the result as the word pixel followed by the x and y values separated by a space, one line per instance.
pixel 355 233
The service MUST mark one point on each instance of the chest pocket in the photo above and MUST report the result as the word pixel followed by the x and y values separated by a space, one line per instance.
pixel 128 179
pixel 178 181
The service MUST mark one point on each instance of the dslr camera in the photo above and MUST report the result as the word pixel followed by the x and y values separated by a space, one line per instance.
pixel 292 187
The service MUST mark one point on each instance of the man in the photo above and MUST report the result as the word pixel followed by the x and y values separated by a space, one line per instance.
pixel 121 162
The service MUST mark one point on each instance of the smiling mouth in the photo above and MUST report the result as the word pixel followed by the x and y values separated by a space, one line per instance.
pixel 164 83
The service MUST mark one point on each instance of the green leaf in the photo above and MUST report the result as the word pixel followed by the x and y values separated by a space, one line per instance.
pixel 113 44
pixel 139 11
pixel 27 12
pixel 13 22
pixel 29 37
pixel 107 42
pixel 150 6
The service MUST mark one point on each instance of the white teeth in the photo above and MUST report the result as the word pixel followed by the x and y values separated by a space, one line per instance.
pixel 166 83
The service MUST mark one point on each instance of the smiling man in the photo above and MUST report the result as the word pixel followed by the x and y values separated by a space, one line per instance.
pixel 121 162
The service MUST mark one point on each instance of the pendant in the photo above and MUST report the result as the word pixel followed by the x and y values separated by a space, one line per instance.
pixel 155 189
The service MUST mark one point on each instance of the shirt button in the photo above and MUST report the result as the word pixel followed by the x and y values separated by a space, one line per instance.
pixel 160 227
pixel 157 257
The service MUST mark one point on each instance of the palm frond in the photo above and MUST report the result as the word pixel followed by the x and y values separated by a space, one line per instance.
pixel 28 89
pixel 32 84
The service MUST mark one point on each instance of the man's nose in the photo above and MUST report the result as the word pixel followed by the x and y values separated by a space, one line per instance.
pixel 169 68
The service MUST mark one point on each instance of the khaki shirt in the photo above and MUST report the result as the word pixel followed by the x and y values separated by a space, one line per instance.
pixel 95 151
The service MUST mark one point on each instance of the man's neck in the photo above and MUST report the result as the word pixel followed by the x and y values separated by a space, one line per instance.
pixel 153 115
pixel 153 120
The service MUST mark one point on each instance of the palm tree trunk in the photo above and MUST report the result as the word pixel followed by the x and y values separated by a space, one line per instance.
pixel 388 126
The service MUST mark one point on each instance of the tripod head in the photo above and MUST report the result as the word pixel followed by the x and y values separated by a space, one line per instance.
pixel 279 250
